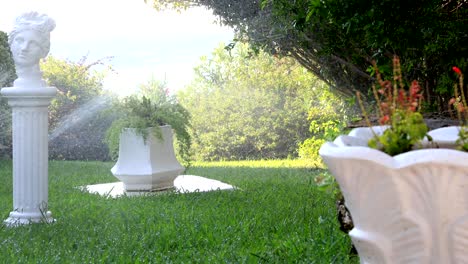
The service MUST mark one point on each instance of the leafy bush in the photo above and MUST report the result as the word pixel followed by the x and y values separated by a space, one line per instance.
pixel 5 129
pixel 328 117
pixel 310 147
pixel 77 83
pixel 7 76
pixel 77 124
pixel 247 106
pixel 80 135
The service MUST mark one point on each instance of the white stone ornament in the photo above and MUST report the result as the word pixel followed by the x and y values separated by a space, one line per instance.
pixel 29 99
pixel 410 208
pixel 30 42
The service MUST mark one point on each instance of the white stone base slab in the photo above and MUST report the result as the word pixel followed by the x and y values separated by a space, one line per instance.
pixel 182 184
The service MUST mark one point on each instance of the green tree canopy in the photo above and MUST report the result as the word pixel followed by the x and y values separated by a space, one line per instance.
pixel 247 106
pixel 338 39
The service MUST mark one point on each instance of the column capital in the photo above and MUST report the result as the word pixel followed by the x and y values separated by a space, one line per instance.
pixel 29 97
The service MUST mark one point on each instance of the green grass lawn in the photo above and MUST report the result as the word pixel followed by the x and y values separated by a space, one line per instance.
pixel 277 216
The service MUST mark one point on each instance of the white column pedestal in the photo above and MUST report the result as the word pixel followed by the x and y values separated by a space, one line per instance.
pixel 30 154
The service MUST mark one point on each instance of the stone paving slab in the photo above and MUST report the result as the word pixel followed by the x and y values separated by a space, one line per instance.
pixel 182 184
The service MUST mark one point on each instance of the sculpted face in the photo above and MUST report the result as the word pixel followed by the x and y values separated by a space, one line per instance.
pixel 26 48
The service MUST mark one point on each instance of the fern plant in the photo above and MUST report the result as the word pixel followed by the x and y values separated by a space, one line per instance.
pixel 155 107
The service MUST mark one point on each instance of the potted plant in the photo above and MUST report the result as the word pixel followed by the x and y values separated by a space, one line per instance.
pixel 406 195
pixel 143 134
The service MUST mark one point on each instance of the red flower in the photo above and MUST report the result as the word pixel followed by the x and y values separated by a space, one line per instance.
pixel 415 88
pixel 457 70
pixel 413 106
pixel 384 120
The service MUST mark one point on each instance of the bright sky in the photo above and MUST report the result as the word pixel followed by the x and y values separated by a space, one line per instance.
pixel 142 41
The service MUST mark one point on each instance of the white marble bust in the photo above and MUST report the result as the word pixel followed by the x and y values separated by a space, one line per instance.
pixel 30 42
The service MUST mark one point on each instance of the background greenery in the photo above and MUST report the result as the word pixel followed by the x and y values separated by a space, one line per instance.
pixel 77 117
pixel 244 105
pixel 337 39
pixel 254 106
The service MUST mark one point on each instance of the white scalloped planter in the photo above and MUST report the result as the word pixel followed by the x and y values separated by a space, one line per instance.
pixel 147 166
pixel 410 208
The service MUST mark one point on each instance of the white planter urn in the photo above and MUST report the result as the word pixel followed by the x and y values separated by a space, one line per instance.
pixel 410 208
pixel 148 165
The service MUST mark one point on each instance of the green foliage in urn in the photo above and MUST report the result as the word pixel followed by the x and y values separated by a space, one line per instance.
pixel 398 108
pixel 152 108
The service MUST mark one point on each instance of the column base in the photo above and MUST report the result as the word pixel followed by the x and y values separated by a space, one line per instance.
pixel 18 219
